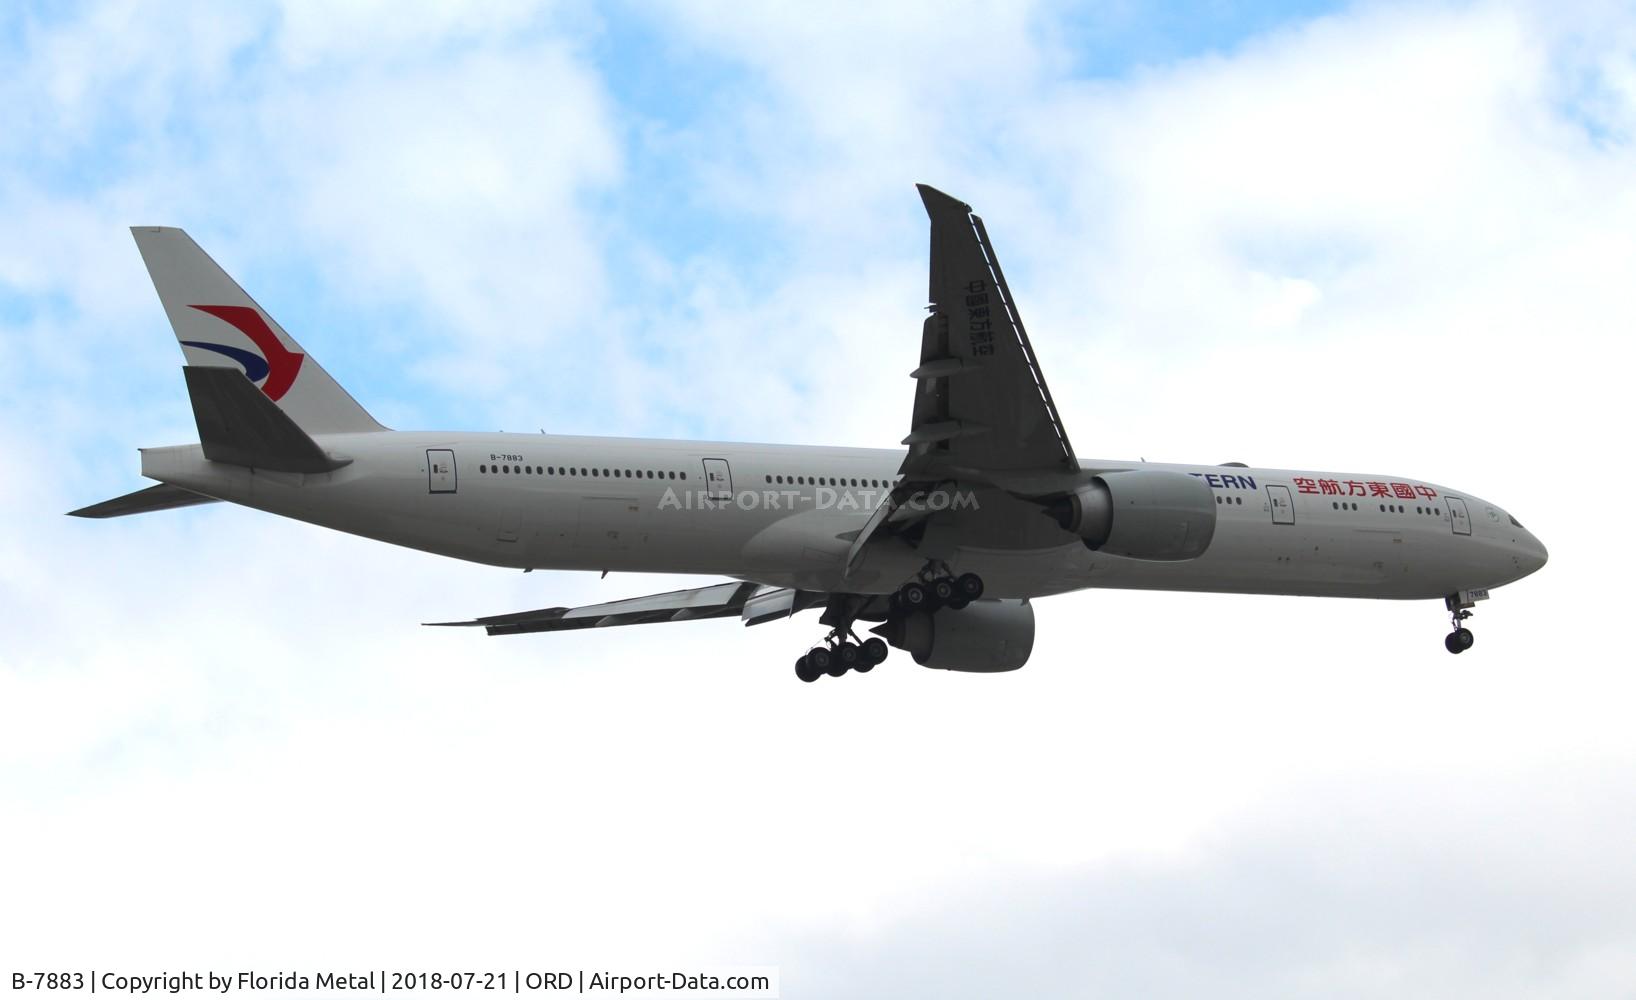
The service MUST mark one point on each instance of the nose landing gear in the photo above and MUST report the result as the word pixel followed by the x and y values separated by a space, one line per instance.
pixel 1459 605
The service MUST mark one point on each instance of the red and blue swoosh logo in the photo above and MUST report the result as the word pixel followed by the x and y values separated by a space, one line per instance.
pixel 277 365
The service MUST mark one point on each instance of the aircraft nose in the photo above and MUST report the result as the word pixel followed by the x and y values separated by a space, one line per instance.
pixel 1533 553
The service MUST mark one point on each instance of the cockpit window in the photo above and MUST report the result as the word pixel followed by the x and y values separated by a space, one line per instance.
pixel 1514 522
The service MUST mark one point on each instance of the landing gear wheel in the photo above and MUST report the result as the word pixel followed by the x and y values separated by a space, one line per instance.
pixel 943 590
pixel 874 651
pixel 1459 640
pixel 848 655
pixel 969 586
pixel 913 597
pixel 804 670
pixel 819 660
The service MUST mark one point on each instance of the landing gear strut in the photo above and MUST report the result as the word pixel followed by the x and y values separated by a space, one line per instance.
pixel 933 588
pixel 1460 639
pixel 841 649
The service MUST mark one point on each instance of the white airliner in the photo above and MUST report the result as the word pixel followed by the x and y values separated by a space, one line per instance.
pixel 945 542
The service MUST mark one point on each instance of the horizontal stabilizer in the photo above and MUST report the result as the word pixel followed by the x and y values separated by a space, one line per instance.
pixel 239 425
pixel 754 603
pixel 161 497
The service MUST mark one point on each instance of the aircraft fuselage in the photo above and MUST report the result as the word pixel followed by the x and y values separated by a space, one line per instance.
pixel 785 516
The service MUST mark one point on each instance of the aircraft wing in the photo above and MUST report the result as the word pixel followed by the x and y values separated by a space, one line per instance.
pixel 983 416
pixel 753 602
pixel 982 410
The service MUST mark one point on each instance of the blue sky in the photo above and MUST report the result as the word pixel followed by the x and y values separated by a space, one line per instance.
pixel 1377 237
pixel 674 104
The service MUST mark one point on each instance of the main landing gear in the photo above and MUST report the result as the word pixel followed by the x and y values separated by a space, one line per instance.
pixel 1460 639
pixel 838 653
pixel 935 587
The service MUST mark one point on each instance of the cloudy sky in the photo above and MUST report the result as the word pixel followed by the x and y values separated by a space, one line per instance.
pixel 1396 238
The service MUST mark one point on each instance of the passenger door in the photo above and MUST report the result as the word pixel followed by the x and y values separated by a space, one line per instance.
pixel 718 479
pixel 1459 516
pixel 1282 506
pixel 440 474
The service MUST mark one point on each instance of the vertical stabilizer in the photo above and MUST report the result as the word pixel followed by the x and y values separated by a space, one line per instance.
pixel 219 326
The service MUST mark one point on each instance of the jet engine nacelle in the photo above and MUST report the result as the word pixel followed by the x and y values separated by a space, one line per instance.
pixel 984 637
pixel 1141 513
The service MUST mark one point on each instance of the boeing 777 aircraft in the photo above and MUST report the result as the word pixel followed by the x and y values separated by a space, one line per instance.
pixel 945 542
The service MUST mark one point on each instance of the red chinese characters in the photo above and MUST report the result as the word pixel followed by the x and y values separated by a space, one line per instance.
pixel 1360 488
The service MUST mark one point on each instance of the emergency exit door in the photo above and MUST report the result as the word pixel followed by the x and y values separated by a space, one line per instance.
pixel 1283 508
pixel 1459 516
pixel 440 475
pixel 718 479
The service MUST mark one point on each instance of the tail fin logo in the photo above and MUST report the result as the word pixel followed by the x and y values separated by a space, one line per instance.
pixel 276 364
